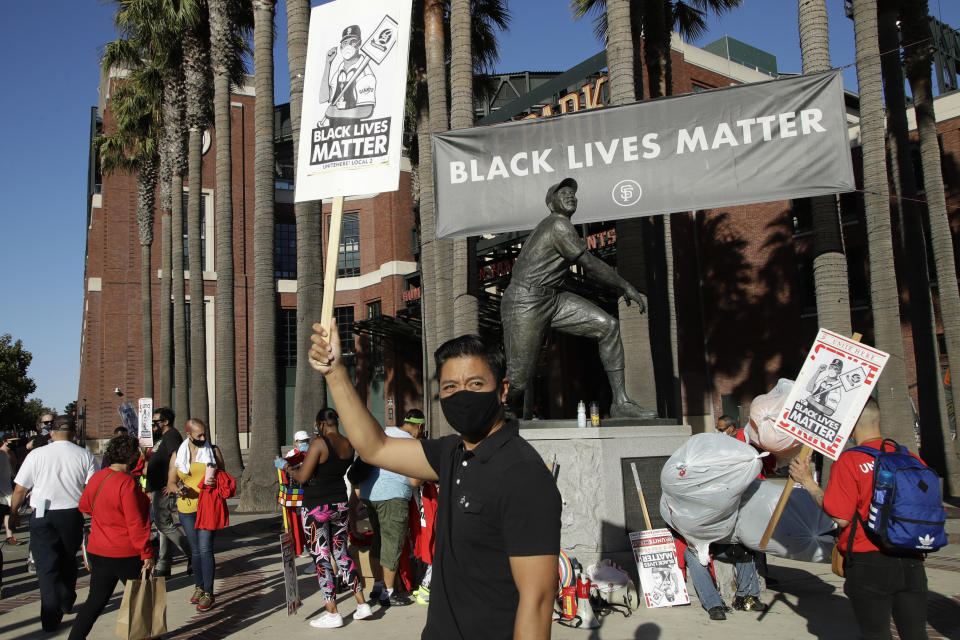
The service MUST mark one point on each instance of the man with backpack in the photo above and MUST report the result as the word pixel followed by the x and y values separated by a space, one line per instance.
pixel 886 527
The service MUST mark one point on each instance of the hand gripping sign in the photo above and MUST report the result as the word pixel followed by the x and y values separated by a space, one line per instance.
pixel 836 379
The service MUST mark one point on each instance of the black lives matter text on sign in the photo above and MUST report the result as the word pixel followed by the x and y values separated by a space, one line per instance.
pixel 814 422
pixel 356 144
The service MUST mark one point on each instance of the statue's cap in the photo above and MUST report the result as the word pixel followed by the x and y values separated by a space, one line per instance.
pixel 566 182
pixel 353 31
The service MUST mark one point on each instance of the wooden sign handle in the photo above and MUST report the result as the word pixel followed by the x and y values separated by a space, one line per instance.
pixel 330 269
pixel 643 502
pixel 804 455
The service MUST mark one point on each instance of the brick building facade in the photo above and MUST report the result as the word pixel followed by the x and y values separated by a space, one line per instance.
pixel 376 256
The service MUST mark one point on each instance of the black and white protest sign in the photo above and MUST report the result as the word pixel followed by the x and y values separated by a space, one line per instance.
pixel 353 98
pixel 837 377
pixel 660 576
pixel 738 145
pixel 145 422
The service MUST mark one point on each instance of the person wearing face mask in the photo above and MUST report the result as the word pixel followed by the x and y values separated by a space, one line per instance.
pixel 196 461
pixel 498 518
pixel 167 442
pixel 324 515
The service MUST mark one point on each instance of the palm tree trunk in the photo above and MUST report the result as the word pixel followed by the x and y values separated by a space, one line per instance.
pixel 931 403
pixel 146 197
pixel 165 361
pixel 428 256
pixel 310 393
pixel 829 263
pixel 896 415
pixel 180 355
pixel 914 28
pixel 228 436
pixel 631 257
pixel 258 481
pixel 437 88
pixel 465 318
pixel 196 69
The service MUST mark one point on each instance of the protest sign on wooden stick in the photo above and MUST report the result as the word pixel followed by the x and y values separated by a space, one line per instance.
pixel 837 378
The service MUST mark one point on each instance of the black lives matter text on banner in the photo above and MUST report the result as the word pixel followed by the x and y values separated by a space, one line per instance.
pixel 660 576
pixel 354 91
pixel 751 143
pixel 837 377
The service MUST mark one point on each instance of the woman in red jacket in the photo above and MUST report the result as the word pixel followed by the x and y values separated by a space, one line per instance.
pixel 119 544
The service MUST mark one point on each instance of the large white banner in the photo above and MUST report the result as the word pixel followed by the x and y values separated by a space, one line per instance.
pixel 354 91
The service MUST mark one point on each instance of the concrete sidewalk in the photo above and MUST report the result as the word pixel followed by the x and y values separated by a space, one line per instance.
pixel 808 603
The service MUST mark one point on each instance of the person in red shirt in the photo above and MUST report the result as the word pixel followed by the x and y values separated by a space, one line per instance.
pixel 879 583
pixel 119 544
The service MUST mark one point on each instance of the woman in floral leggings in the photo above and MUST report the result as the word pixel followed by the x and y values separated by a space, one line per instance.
pixel 324 515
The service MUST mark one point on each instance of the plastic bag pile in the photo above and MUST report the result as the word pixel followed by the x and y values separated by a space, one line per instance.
pixel 702 483
pixel 711 494
pixel 764 412
pixel 804 532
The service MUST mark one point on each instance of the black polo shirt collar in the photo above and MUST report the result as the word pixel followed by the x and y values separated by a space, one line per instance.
pixel 492 443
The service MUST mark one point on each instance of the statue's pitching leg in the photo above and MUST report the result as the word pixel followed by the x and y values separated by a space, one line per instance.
pixel 580 317
pixel 524 327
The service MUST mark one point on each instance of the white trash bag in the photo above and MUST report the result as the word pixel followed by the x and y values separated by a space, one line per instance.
pixel 804 531
pixel 764 412
pixel 607 576
pixel 702 482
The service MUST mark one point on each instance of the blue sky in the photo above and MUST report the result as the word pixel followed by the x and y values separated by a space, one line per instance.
pixel 50 53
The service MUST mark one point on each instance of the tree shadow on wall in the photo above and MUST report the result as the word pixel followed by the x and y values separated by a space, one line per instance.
pixel 752 322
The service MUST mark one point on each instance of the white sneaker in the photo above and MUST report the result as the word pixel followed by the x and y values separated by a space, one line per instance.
pixel 363 611
pixel 327 621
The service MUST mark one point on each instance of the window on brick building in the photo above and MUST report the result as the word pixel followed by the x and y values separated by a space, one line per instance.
pixel 344 318
pixel 285 251
pixel 348 260
pixel 699 88
pixel 287 338
pixel 203 232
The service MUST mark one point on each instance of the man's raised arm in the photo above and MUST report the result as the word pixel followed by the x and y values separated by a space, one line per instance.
pixel 402 455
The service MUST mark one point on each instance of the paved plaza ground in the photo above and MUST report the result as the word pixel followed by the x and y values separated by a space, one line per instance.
pixel 808 601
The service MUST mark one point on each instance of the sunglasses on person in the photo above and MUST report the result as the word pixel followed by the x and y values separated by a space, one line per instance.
pixel 47 422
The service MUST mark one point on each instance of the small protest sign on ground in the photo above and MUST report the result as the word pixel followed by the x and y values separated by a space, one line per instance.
pixel 660 576
pixel 288 558
pixel 837 377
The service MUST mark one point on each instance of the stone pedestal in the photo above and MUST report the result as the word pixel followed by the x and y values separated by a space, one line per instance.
pixel 600 505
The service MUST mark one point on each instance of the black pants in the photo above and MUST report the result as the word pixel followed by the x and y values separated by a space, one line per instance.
pixel 880 584
pixel 54 540
pixel 104 575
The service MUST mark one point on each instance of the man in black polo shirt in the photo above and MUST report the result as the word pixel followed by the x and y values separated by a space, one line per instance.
pixel 498 520
pixel 165 505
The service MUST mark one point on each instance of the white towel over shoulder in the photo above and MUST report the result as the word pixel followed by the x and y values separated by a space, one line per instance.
pixel 204 456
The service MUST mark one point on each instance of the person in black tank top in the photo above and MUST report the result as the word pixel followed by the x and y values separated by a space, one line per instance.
pixel 324 516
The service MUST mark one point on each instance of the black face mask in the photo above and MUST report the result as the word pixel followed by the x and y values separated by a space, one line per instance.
pixel 198 443
pixel 471 413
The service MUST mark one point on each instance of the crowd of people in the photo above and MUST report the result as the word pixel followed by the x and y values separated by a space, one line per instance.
pixel 124 495
pixel 478 509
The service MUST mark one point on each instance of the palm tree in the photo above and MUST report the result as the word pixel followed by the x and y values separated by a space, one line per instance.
pixel 196 66
pixel 465 319
pixel 229 26
pixel 829 263
pixel 132 146
pixel 896 414
pixel 915 30
pixel 931 406
pixel 174 118
pixel 310 392
pixel 258 481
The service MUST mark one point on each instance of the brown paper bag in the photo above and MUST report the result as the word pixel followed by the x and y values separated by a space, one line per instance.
pixel 143 610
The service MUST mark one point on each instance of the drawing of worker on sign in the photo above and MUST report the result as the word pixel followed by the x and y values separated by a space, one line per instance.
pixel 352 90
pixel 826 387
